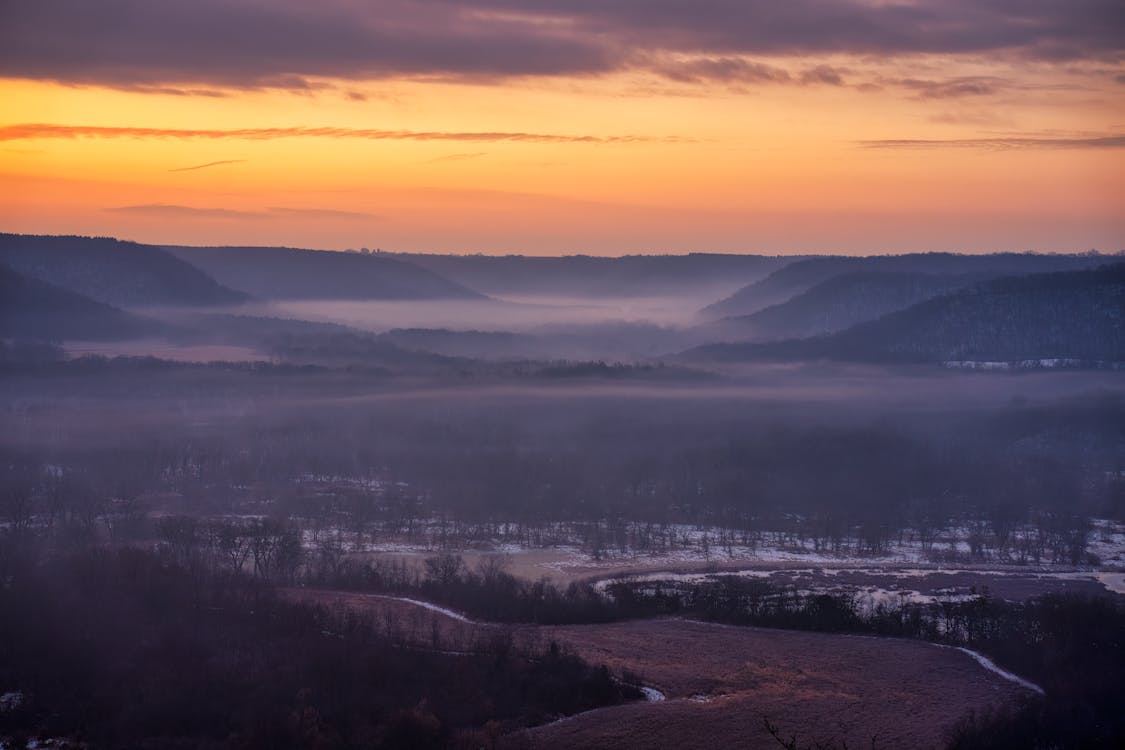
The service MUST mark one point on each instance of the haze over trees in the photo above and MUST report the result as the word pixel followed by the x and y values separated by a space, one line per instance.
pixel 885 420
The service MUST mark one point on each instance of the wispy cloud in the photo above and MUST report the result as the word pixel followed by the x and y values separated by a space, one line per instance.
pixel 726 69
pixel 208 164
pixel 823 74
pixel 954 88
pixel 29 131
pixel 1002 144
pixel 323 213
pixel 174 211
pixel 458 157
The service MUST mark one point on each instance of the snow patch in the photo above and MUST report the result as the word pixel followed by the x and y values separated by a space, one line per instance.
pixel 10 701
pixel 991 666
pixel 428 605
pixel 652 695
pixel 1115 582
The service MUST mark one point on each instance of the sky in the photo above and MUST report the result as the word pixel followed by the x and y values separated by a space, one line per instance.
pixel 568 126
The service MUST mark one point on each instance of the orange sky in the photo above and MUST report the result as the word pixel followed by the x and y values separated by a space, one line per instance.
pixel 900 152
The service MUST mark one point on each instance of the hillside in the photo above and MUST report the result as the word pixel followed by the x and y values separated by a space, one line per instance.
pixel 292 273
pixel 34 309
pixel 1064 315
pixel 798 277
pixel 838 303
pixel 118 273
pixel 588 276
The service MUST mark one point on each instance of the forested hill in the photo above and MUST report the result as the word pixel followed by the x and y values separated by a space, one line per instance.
pixel 1064 315
pixel 119 273
pixel 839 303
pixel 34 309
pixel 798 277
pixel 292 273
pixel 589 276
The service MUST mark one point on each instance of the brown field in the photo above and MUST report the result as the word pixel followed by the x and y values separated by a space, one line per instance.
pixel 722 682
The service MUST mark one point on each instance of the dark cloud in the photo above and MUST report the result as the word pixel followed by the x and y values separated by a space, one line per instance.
pixel 208 164
pixel 277 43
pixel 48 130
pixel 1003 144
pixel 1041 29
pixel 202 46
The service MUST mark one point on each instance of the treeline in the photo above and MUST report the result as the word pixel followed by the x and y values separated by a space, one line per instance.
pixel 272 552
pixel 128 648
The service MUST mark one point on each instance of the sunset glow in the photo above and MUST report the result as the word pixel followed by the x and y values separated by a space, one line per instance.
pixel 841 127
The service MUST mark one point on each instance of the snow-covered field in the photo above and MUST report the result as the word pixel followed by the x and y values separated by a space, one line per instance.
pixel 905 572
pixel 679 545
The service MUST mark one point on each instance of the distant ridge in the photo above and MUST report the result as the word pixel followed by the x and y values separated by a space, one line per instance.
pixel 839 303
pixel 1076 315
pixel 34 309
pixel 798 277
pixel 294 273
pixel 119 273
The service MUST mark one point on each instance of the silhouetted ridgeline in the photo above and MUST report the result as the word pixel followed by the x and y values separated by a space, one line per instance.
pixel 34 309
pixel 802 275
pixel 123 274
pixel 291 273
pixel 838 303
pixel 1078 315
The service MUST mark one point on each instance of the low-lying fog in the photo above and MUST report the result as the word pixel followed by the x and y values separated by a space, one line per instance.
pixel 518 314
pixel 539 328
pixel 164 349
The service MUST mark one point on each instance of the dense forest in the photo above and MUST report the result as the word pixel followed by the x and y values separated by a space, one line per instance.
pixel 127 648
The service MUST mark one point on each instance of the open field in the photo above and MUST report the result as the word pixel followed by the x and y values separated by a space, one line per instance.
pixel 722 682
